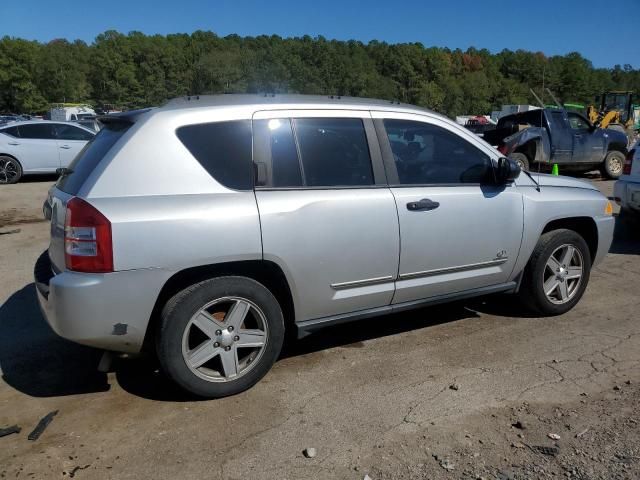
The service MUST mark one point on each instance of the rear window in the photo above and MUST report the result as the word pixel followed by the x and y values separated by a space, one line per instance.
pixel 223 149
pixel 89 157
pixel 13 131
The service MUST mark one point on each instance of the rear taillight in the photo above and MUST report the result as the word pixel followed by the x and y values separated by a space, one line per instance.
pixel 87 239
pixel 628 162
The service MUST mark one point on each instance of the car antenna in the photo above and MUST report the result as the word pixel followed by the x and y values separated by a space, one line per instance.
pixel 560 106
pixel 544 69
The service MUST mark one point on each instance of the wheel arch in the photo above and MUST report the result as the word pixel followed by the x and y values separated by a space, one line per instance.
pixel 615 146
pixel 584 226
pixel 12 156
pixel 265 272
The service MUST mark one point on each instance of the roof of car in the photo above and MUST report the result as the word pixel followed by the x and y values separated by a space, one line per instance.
pixel 39 122
pixel 293 100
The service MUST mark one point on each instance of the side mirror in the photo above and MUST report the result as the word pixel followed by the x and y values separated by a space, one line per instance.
pixel 507 170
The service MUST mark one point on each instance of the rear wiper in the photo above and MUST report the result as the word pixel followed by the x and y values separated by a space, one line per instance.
pixel 63 171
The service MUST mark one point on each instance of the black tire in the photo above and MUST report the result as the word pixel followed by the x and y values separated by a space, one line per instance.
pixel 10 170
pixel 177 314
pixel 612 165
pixel 521 159
pixel 532 287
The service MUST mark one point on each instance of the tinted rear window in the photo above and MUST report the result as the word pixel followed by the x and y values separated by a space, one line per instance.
pixel 42 131
pixel 223 149
pixel 89 157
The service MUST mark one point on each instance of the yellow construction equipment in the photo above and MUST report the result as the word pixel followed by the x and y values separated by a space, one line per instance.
pixel 616 111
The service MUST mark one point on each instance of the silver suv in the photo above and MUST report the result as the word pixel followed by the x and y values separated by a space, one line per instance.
pixel 209 226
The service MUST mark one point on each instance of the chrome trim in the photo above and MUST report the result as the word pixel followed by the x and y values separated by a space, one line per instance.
pixel 361 283
pixel 461 268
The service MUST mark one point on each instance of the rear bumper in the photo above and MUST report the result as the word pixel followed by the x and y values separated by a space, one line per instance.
pixel 627 193
pixel 108 311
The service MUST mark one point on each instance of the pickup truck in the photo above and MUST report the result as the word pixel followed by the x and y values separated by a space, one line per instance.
pixel 556 136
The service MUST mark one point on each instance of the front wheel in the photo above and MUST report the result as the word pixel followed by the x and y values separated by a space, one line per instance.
pixel 557 273
pixel 613 165
pixel 10 170
pixel 221 336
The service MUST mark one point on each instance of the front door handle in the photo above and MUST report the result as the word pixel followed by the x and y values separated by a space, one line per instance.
pixel 66 147
pixel 14 143
pixel 422 205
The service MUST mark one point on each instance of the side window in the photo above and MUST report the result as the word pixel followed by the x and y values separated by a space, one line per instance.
pixel 427 154
pixel 577 122
pixel 223 149
pixel 333 152
pixel 312 152
pixel 69 132
pixel 40 131
pixel 13 131
pixel 275 151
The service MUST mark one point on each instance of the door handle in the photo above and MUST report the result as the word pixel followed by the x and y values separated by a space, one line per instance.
pixel 14 143
pixel 422 205
pixel 66 147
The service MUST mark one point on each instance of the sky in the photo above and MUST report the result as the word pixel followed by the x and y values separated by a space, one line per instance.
pixel 554 27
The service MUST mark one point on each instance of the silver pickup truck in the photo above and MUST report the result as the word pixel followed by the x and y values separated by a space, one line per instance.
pixel 206 228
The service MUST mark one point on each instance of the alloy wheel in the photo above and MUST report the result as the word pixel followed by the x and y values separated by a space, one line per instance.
pixel 563 274
pixel 225 339
pixel 8 170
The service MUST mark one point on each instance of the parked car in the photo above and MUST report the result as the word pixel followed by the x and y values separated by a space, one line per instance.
pixel 627 189
pixel 9 118
pixel 39 147
pixel 209 226
pixel 90 122
pixel 554 135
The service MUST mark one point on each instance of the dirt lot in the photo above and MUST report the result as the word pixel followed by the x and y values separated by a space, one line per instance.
pixel 469 390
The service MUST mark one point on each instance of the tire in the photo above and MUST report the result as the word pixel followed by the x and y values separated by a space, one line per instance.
pixel 521 159
pixel 537 274
pixel 182 344
pixel 612 165
pixel 10 170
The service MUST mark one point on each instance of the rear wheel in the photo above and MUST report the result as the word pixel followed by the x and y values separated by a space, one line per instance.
pixel 613 164
pixel 10 170
pixel 557 273
pixel 221 336
pixel 521 159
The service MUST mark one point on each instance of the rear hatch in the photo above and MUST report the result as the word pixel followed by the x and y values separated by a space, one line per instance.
pixel 74 177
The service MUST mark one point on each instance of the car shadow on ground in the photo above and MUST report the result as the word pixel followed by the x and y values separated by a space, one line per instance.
pixel 142 377
pixel 40 177
pixel 35 361
pixel 626 237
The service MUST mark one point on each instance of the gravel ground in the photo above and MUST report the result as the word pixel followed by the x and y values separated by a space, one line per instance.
pixel 467 390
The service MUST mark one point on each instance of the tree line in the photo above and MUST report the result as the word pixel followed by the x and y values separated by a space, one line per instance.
pixel 138 70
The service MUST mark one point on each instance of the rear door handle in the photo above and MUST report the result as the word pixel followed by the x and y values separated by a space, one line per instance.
pixel 422 205
pixel 66 147
pixel 13 143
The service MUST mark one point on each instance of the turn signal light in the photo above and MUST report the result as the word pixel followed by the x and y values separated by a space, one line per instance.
pixel 87 238
pixel 608 209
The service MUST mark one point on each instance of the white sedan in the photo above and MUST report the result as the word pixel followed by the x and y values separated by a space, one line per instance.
pixel 39 147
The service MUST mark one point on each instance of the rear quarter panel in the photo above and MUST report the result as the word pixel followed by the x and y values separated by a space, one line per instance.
pixel 166 210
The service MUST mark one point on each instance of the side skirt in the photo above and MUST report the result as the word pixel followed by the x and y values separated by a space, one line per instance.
pixel 308 327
